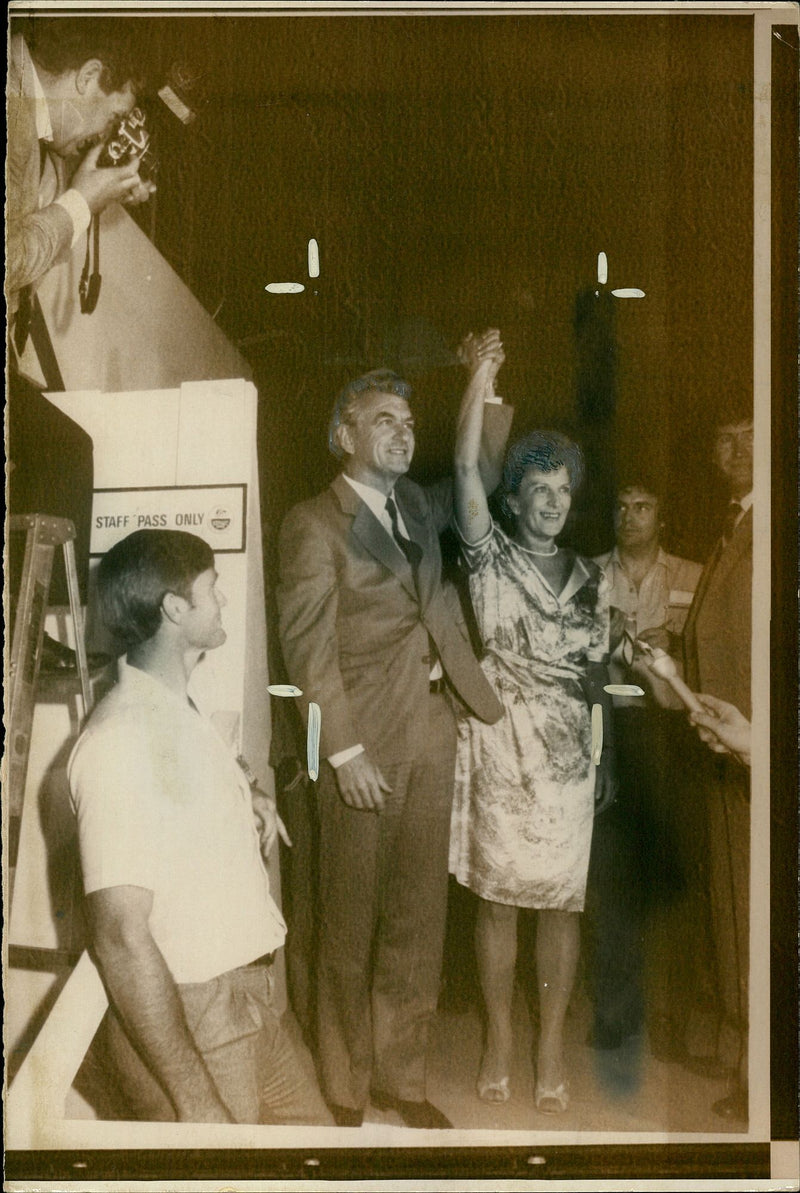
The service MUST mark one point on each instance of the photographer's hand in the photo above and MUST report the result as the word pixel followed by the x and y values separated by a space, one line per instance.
pixel 140 193
pixel 110 184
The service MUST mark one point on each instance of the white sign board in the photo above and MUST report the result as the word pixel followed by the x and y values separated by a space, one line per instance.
pixel 215 513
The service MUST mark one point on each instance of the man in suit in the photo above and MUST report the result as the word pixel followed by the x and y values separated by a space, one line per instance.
pixel 69 82
pixel 717 645
pixel 372 636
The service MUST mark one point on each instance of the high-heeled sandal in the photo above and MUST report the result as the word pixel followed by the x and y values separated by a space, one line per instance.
pixel 552 1101
pixel 494 1091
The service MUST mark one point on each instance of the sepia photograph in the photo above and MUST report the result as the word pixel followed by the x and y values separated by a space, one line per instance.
pixel 401 435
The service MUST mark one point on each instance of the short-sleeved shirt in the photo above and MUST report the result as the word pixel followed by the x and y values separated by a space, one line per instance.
pixel 662 600
pixel 162 804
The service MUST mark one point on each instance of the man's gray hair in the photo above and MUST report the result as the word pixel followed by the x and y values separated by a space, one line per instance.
pixel 378 381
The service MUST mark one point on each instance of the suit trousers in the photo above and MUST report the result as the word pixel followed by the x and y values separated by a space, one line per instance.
pixel 298 810
pixel 383 893
pixel 728 810
pixel 252 1061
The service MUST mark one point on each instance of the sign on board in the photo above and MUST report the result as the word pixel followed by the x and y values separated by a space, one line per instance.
pixel 215 513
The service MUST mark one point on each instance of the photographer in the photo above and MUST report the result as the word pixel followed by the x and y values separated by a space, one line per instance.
pixel 70 82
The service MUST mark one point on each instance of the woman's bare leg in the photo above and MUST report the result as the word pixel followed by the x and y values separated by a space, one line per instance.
pixel 557 949
pixel 496 949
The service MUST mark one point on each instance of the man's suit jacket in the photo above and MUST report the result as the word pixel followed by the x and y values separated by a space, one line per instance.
pixel 35 239
pixel 354 627
pixel 717 635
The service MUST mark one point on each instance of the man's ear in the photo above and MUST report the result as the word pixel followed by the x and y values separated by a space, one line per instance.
pixel 88 74
pixel 173 607
pixel 344 438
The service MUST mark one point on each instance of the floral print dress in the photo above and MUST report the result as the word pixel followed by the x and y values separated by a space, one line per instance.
pixel 523 809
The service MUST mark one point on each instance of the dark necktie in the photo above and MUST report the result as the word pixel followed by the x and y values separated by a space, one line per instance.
pixel 412 551
pixel 732 515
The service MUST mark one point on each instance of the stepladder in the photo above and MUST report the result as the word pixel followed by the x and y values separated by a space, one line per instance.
pixel 43 534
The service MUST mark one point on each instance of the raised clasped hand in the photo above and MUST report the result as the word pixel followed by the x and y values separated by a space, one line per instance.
pixel 476 350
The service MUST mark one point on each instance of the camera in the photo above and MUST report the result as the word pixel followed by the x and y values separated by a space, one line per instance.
pixel 131 138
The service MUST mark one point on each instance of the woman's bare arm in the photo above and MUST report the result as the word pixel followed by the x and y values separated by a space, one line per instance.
pixel 483 356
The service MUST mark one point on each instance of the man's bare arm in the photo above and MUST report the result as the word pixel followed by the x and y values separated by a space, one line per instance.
pixel 144 994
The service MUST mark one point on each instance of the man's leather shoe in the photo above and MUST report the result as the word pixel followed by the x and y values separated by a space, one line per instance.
pixel 734 1107
pixel 421 1115
pixel 345 1116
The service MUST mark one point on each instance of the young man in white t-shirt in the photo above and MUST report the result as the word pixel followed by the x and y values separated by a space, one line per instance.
pixel 172 843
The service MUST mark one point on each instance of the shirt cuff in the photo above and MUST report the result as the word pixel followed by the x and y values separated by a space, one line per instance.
pixel 343 756
pixel 78 211
pixel 495 401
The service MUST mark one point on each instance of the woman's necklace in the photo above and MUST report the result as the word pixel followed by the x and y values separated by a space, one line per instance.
pixel 546 554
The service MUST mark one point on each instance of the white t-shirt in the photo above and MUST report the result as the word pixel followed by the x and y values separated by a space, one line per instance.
pixel 162 804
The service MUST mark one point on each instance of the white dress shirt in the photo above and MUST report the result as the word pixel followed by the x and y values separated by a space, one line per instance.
pixel 71 200
pixel 746 503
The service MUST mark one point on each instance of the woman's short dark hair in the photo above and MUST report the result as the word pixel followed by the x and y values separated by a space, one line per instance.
pixel 546 450
pixel 137 573
pixel 61 44
pixel 378 381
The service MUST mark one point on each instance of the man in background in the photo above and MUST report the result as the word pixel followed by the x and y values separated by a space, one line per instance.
pixel 717 649
pixel 645 898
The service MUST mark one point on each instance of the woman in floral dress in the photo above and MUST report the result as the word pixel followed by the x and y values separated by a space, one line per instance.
pixel 526 788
